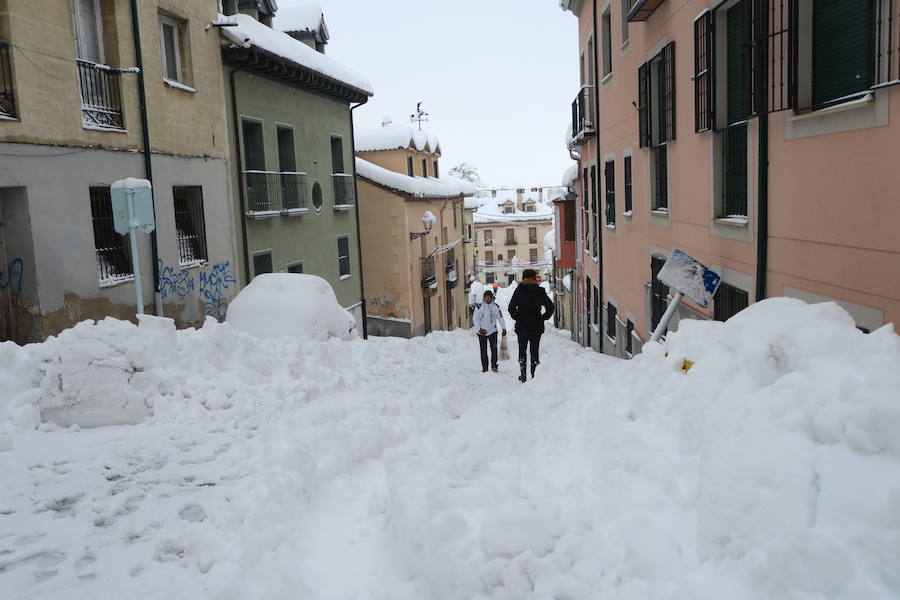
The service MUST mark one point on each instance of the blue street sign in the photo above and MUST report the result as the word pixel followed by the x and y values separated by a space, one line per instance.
pixel 690 277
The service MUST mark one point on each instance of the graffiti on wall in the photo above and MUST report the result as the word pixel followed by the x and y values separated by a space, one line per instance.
pixel 215 281
pixel 11 278
pixel 213 288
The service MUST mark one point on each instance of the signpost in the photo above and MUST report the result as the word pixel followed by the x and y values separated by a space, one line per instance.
pixel 132 206
pixel 687 277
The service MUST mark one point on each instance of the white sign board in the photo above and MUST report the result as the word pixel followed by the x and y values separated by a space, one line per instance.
pixel 690 277
pixel 139 192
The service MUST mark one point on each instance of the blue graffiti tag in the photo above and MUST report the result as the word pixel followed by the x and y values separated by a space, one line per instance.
pixel 172 282
pixel 213 286
pixel 12 278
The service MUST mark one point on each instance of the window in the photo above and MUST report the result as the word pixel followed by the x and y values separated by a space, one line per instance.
pixel 489 258
pixel 295 268
pixel 317 195
pixel 409 166
pixel 190 224
pixel 728 302
pixel 585 215
pixel 660 159
pixel 587 301
pixel 842 52
pixel 508 210
pixel 262 263
pixel 88 30
pixel 434 168
pixel 656 98
pixel 532 235
pixel 629 335
pixel 7 89
pixel 529 207
pixel 703 89
pixel 488 237
pixel 489 277
pixel 597 307
pixel 628 198
pixel 659 293
pixel 512 254
pixel 254 148
pixel 606 24
pixel 343 243
pixel 337 154
pixel 113 250
pixel 569 214
pixel 532 255
pixel 609 175
pixel 510 237
pixel 626 6
pixel 734 171
pixel 611 313
pixel 595 211
pixel 170 47
pixel 424 167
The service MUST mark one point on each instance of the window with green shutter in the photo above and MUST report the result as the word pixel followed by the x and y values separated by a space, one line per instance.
pixel 739 60
pixel 843 56
pixel 609 175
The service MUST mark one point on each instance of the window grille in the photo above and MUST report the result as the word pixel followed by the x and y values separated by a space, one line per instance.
pixel 409 166
pixel 729 301
pixel 113 250
pixel 609 174
pixel 101 96
pixel 190 224
pixel 629 337
pixel 295 268
pixel 611 313
pixel 7 91
pixel 262 263
pixel 703 89
pixel 661 177
pixel 734 163
pixel 344 256
pixel 657 98
pixel 628 192
pixel 659 293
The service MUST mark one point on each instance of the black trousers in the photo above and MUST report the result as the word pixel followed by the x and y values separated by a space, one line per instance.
pixel 483 341
pixel 533 340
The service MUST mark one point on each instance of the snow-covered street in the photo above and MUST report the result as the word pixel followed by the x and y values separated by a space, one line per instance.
pixel 342 470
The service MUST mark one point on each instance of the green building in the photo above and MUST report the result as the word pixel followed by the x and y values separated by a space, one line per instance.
pixel 291 135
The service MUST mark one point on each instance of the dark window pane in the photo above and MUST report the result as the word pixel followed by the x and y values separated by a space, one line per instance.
pixel 337 155
pixel 842 51
pixel 190 223
pixel 262 263
pixel 729 301
pixel 113 250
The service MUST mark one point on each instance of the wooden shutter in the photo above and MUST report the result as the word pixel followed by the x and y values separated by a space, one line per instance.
pixel 644 104
pixel 843 59
pixel 703 73
pixel 667 93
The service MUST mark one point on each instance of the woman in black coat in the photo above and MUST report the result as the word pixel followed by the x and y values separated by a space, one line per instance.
pixel 525 307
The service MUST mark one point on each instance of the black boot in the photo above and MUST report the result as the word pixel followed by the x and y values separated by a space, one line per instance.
pixel 533 367
pixel 522 370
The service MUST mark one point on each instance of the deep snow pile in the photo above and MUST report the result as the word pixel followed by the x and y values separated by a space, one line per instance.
pixel 753 459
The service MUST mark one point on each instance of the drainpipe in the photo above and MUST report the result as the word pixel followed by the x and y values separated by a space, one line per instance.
pixel 594 186
pixel 362 282
pixel 762 242
pixel 145 133
pixel 237 165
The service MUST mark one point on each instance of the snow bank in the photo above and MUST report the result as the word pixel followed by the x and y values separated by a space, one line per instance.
pixel 249 30
pixel 420 187
pixel 292 305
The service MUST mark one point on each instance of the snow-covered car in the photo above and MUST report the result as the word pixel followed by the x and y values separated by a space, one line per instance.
pixel 292 305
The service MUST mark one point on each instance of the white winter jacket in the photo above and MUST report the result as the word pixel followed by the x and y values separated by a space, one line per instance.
pixel 486 317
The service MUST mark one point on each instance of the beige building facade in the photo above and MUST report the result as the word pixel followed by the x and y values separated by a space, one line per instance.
pixel 71 123
pixel 756 146
pixel 413 232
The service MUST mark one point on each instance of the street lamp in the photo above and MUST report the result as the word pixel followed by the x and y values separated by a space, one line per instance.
pixel 428 221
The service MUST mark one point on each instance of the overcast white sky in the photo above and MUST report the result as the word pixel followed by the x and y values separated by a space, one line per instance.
pixel 497 76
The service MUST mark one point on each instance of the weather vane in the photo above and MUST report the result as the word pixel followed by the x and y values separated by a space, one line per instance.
pixel 419 116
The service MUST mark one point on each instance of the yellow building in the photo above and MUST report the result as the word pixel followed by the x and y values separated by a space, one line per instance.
pixel 509 228
pixel 74 96
pixel 412 230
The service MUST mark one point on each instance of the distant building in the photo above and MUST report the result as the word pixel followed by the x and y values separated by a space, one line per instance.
pixel 413 268
pixel 510 226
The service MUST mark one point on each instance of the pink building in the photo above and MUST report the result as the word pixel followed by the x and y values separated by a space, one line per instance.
pixel 759 136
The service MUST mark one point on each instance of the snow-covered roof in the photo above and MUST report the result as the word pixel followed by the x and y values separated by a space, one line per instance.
pixel 491 211
pixel 250 31
pixel 550 241
pixel 394 137
pixel 302 17
pixel 474 202
pixel 570 175
pixel 419 187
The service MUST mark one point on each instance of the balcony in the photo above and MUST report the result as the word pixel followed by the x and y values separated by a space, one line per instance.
pixel 583 114
pixel 7 92
pixel 101 96
pixel 450 266
pixel 272 193
pixel 511 242
pixel 640 10
pixel 344 193
pixel 429 279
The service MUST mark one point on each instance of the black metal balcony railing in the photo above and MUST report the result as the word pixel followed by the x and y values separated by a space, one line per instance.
pixel 583 113
pixel 344 194
pixel 7 92
pixel 511 242
pixel 271 193
pixel 450 260
pixel 428 276
pixel 101 96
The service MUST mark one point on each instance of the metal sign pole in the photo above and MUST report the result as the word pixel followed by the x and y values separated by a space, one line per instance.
pixel 667 316
pixel 135 259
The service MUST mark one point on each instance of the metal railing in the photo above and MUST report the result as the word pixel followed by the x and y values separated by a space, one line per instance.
pixel 511 242
pixel 111 248
pixel 450 260
pixel 101 96
pixel 7 90
pixel 270 193
pixel 344 194
pixel 887 42
pixel 583 113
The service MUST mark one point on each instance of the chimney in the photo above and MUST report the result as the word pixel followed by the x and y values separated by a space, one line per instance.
pixel 493 193
pixel 541 195
pixel 520 195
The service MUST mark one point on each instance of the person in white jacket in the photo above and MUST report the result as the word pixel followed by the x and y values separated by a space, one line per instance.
pixel 486 318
